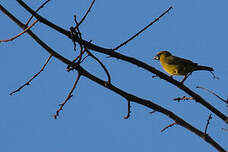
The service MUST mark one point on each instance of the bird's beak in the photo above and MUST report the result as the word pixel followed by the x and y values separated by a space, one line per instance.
pixel 156 57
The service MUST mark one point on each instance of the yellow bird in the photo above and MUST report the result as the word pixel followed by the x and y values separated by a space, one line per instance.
pixel 178 66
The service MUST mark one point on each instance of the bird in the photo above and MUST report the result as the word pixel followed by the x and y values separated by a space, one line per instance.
pixel 174 65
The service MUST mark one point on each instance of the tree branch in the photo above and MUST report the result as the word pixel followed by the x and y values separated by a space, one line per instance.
pixel 68 97
pixel 208 122
pixel 28 82
pixel 41 6
pixel 87 12
pixel 183 98
pixel 131 38
pixel 132 60
pixel 122 93
pixel 102 65
pixel 170 125
pixel 226 101
pixel 128 110
pixel 25 30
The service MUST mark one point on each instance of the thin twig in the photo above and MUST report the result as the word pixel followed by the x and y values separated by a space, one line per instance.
pixel 81 53
pixel 72 32
pixel 128 109
pixel 154 76
pixel 28 82
pixel 151 112
pixel 225 129
pixel 87 12
pixel 226 101
pixel 77 28
pixel 11 39
pixel 131 38
pixel 41 6
pixel 183 98
pixel 214 77
pixel 168 126
pixel 75 32
pixel 68 97
pixel 69 67
pixel 208 122
pixel 102 65
pixel 84 58
pixel 186 76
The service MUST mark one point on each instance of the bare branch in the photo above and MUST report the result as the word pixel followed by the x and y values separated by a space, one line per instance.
pixel 185 77
pixel 43 20
pixel 28 82
pixel 226 101
pixel 102 65
pixel 111 53
pixel 122 93
pixel 84 58
pixel 131 38
pixel 183 98
pixel 214 77
pixel 11 39
pixel 72 33
pixel 87 12
pixel 41 6
pixel 128 110
pixel 151 112
pixel 208 122
pixel 68 97
pixel 168 126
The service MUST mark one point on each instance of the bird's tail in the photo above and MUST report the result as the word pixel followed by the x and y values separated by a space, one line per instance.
pixel 199 67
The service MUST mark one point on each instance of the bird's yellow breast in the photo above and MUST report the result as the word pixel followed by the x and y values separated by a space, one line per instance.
pixel 172 69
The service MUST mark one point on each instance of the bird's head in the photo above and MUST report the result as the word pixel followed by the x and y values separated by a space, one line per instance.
pixel 162 53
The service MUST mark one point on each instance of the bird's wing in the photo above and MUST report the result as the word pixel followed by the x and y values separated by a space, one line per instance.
pixel 177 61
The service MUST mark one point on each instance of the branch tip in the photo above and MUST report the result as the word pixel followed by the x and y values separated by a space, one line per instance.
pixel 68 97
pixel 168 126
pixel 29 81
pixel 128 109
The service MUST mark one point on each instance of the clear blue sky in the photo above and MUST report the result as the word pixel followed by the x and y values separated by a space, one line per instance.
pixel 93 118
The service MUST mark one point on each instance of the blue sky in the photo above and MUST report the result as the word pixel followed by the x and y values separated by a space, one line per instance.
pixel 93 119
